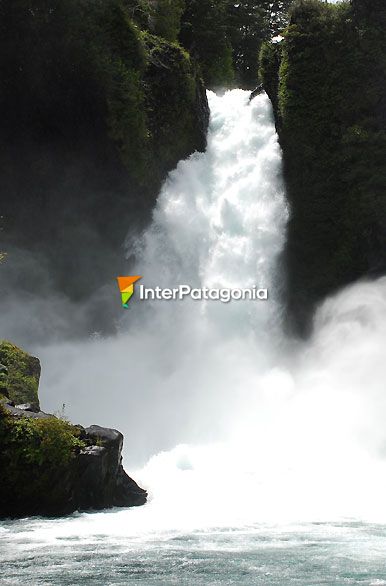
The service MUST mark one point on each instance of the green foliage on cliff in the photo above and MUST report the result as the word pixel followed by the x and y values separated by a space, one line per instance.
pixel 329 96
pixel 204 34
pixel 226 36
pixel 269 63
pixel 139 11
pixel 40 442
pixel 34 454
pixel 153 91
pixel 172 122
pixel 167 18
pixel 122 61
pixel 22 381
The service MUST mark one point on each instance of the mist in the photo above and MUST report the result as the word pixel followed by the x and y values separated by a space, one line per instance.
pixel 214 400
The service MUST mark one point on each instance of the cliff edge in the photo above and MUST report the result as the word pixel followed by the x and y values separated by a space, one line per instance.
pixel 49 466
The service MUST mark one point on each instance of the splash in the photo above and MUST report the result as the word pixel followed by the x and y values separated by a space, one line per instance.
pixel 228 421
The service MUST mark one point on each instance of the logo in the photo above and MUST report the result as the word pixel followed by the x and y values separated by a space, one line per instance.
pixel 126 287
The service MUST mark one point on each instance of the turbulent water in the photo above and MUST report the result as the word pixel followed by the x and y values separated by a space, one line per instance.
pixel 264 457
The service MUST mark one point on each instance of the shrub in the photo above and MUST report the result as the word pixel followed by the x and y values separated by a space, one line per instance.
pixel 22 381
pixel 34 454
pixel 167 18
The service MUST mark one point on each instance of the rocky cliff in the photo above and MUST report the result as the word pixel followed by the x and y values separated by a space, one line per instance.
pixel 50 467
pixel 95 112
pixel 327 83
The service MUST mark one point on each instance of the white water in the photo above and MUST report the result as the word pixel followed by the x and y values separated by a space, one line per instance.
pixel 243 426
pixel 278 428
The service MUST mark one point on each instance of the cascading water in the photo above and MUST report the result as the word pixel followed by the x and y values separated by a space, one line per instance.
pixel 253 438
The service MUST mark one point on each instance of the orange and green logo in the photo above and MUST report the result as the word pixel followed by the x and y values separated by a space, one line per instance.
pixel 126 287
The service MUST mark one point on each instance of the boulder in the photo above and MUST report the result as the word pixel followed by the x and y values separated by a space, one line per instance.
pixel 20 411
pixel 101 479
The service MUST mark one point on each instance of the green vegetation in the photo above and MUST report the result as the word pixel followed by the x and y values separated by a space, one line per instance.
pixel 327 83
pixel 160 17
pixel 85 64
pixel 34 454
pixel 40 442
pixel 269 63
pixel 167 18
pixel 227 36
pixel 204 33
pixel 3 382
pixel 23 373
pixel 224 36
pixel 173 123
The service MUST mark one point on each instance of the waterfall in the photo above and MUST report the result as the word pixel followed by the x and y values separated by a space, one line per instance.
pixel 178 371
pixel 227 420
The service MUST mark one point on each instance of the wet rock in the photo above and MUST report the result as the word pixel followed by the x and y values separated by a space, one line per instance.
pixel 102 479
pixel 256 92
pixel 28 407
pixel 19 412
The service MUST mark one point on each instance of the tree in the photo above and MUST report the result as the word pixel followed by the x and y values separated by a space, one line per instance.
pixel 204 34
pixel 279 16
pixel 248 27
pixel 227 35
pixel 166 18
pixel 250 23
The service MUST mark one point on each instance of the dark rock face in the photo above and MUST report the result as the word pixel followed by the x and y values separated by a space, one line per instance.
pixel 327 84
pixel 93 480
pixel 102 480
pixel 97 114
pixel 3 381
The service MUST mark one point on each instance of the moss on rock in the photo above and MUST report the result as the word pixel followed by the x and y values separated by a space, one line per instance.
pixel 175 104
pixel 35 455
pixel 21 383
